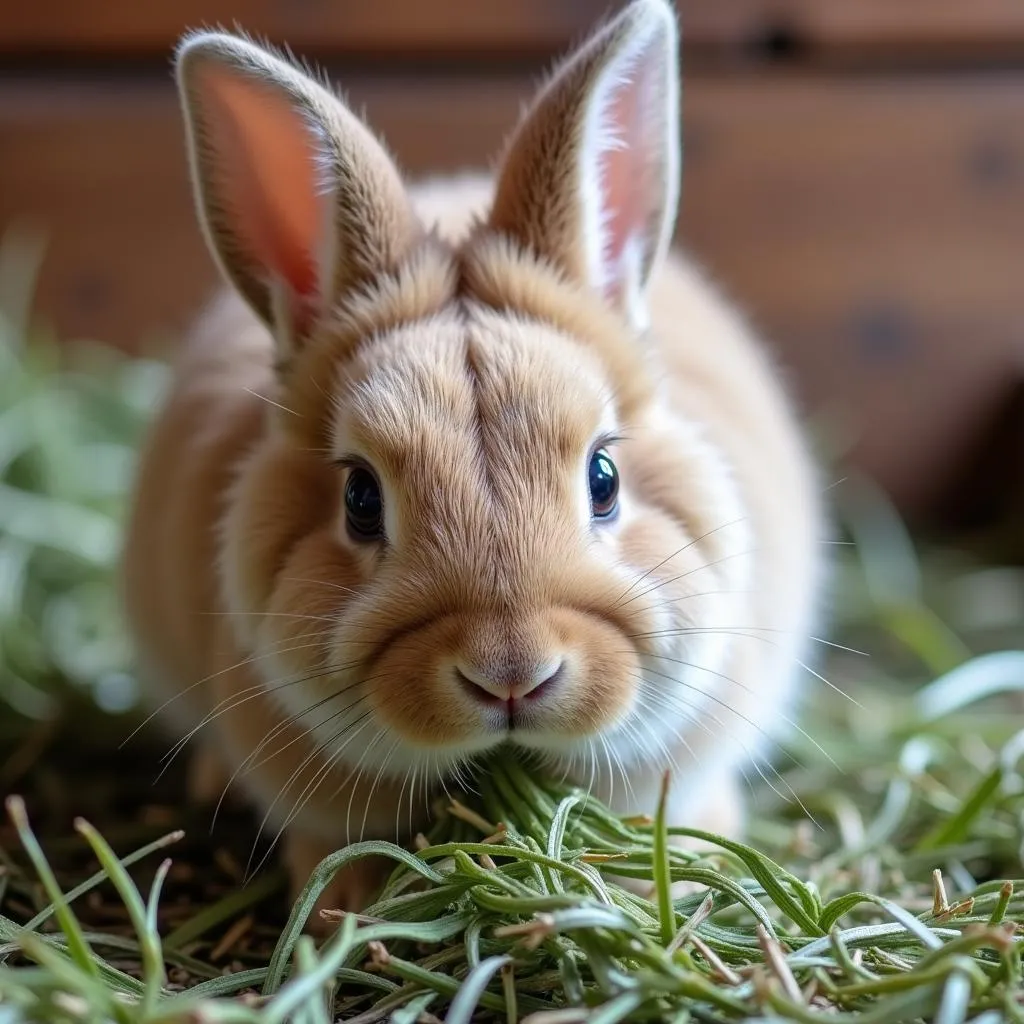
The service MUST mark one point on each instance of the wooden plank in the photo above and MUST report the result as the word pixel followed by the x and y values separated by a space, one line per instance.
pixel 436 28
pixel 874 228
pixel 353 27
pixel 858 29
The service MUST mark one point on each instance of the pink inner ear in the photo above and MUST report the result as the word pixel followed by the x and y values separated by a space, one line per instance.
pixel 625 175
pixel 266 161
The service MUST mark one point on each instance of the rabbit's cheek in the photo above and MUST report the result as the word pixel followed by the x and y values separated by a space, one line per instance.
pixel 595 698
pixel 412 695
pixel 278 512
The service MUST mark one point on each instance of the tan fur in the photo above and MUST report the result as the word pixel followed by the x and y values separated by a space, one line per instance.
pixel 469 355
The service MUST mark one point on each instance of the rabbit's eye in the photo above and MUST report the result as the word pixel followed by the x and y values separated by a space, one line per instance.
pixel 364 507
pixel 604 485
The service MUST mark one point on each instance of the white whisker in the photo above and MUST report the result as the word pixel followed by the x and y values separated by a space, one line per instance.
pixel 270 401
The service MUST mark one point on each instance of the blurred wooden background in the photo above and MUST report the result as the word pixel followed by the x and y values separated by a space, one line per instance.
pixel 853 176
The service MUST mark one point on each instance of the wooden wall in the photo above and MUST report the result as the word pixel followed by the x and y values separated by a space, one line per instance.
pixel 854 175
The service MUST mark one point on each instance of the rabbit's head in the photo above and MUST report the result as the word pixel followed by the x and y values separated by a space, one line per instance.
pixel 472 518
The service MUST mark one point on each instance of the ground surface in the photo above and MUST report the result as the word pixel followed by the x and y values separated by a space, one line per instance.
pixel 73 768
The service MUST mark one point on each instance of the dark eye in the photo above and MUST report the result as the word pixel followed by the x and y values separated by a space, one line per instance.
pixel 604 485
pixel 364 507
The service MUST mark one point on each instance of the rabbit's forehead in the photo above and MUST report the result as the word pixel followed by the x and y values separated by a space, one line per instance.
pixel 488 387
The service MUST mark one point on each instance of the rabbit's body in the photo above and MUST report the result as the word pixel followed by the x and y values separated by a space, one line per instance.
pixel 339 675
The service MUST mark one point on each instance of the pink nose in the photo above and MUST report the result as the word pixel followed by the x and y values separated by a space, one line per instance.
pixel 528 681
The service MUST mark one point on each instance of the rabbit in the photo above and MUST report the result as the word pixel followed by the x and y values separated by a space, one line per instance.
pixel 481 462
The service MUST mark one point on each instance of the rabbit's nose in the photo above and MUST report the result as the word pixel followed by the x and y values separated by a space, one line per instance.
pixel 510 683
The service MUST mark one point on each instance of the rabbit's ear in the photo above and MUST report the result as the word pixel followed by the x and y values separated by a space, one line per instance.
pixel 590 179
pixel 297 198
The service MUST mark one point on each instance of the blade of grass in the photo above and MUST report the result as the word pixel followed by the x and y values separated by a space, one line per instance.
pixel 154 976
pixel 468 996
pixel 101 876
pixel 77 946
pixel 662 869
